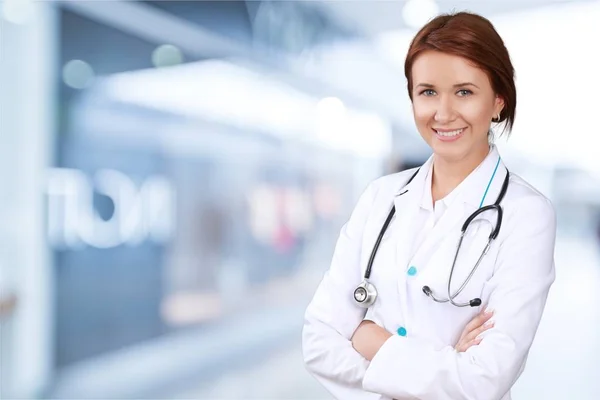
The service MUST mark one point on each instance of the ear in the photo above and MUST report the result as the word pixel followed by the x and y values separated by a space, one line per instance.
pixel 499 104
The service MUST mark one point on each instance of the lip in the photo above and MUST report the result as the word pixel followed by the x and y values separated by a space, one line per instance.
pixel 446 138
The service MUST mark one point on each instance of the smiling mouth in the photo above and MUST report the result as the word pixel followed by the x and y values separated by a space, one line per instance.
pixel 448 133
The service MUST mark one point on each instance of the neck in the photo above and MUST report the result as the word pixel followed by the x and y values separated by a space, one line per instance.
pixel 448 174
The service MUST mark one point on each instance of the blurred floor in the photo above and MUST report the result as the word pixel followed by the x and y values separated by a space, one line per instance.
pixel 281 376
pixel 564 362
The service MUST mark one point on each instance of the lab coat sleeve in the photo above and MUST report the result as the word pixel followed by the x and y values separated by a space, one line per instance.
pixel 409 368
pixel 332 317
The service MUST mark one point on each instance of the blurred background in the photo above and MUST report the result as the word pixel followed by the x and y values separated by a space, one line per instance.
pixel 175 174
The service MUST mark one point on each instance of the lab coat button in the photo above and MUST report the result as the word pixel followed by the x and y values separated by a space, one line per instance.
pixel 402 331
pixel 412 271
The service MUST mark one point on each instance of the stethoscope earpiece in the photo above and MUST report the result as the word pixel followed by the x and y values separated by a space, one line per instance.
pixel 475 302
pixel 427 290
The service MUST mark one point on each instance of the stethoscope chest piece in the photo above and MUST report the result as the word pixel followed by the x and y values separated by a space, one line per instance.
pixel 365 294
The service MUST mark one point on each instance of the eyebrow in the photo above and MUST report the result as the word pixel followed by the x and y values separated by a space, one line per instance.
pixel 428 85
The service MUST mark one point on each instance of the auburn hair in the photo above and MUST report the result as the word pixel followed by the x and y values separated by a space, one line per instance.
pixel 474 38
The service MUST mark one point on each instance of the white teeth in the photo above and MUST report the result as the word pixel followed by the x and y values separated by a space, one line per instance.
pixel 450 134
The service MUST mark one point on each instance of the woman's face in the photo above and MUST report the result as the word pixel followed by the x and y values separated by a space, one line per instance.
pixel 453 105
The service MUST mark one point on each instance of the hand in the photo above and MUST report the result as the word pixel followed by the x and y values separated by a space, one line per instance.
pixel 469 336
pixel 368 338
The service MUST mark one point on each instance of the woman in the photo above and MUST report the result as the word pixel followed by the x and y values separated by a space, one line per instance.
pixel 412 343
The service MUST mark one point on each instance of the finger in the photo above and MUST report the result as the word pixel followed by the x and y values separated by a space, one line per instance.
pixel 474 342
pixel 479 320
pixel 468 344
pixel 476 332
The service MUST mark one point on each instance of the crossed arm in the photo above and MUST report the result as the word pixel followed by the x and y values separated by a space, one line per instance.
pixel 369 337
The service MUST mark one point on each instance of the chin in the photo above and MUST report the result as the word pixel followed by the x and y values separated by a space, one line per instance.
pixel 450 151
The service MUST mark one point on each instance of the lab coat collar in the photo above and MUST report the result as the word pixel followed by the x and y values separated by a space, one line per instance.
pixel 416 185
pixel 475 186
pixel 485 182
pixel 427 197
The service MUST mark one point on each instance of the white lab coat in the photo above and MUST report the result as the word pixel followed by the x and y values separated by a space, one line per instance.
pixel 513 279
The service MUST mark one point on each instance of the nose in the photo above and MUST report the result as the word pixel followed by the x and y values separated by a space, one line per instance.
pixel 445 111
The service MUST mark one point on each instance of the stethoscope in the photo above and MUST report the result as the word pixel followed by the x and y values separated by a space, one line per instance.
pixel 366 293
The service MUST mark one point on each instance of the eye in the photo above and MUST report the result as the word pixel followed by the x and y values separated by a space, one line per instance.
pixel 428 92
pixel 464 92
